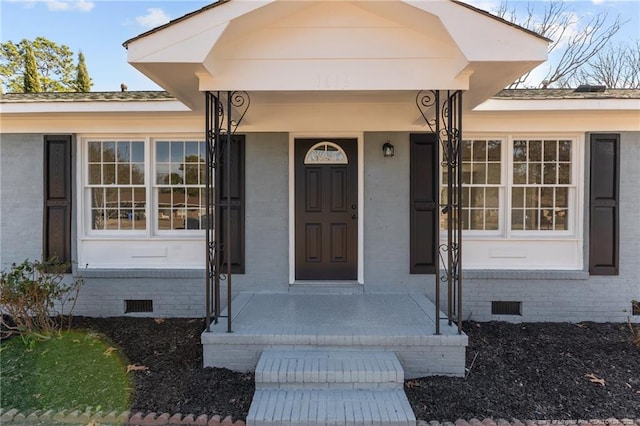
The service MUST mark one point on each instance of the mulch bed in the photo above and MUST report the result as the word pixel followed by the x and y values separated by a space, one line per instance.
pixel 515 371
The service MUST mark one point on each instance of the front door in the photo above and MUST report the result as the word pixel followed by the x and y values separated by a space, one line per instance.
pixel 326 209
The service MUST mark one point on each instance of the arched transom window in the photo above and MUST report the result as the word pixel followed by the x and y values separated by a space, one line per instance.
pixel 326 153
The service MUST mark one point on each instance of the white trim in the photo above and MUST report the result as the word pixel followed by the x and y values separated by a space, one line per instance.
pixel 359 136
pixel 92 107
pixel 500 104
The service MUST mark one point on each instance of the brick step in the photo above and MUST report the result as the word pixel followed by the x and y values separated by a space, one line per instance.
pixel 338 369
pixel 330 407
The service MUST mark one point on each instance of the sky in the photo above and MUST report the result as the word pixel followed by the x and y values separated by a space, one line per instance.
pixel 99 27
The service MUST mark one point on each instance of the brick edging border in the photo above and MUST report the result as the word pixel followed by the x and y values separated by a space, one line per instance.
pixel 13 416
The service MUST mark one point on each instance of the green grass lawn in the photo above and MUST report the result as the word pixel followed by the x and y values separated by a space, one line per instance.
pixel 72 370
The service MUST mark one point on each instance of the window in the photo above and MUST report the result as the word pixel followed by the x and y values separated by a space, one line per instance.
pixel 116 184
pixel 143 201
pixel 180 184
pixel 541 184
pixel 539 187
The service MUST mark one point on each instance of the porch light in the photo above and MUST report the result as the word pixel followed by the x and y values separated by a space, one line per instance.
pixel 388 150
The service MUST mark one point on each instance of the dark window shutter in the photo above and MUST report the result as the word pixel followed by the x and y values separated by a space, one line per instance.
pixel 236 208
pixel 604 204
pixel 57 198
pixel 424 203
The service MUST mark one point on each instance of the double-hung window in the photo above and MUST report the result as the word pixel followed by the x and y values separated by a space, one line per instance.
pixel 520 201
pixel 180 184
pixel 143 202
pixel 115 185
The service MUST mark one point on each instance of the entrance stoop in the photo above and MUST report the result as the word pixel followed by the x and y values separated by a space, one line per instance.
pixel 329 387
pixel 399 323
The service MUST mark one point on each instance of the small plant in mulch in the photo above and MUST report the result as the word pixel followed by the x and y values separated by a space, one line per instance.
pixel 35 296
pixel 635 331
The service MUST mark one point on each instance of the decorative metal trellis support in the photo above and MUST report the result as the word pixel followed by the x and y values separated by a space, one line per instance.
pixel 442 111
pixel 219 135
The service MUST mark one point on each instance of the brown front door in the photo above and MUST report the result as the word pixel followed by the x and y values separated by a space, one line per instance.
pixel 326 197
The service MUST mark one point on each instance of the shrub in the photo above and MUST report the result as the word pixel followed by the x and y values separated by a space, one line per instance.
pixel 34 296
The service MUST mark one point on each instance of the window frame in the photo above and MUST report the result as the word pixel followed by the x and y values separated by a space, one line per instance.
pixel 575 198
pixel 151 231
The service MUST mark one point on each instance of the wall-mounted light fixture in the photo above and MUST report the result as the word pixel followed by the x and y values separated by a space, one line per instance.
pixel 388 150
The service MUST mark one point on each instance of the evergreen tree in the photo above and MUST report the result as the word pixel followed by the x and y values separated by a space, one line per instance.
pixel 83 81
pixel 31 78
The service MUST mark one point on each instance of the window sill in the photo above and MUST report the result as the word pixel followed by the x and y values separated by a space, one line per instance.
pixel 496 274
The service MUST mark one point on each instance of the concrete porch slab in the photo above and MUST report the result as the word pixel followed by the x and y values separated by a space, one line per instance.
pixel 401 323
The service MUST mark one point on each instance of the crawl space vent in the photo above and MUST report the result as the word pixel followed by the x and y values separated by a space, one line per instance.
pixel 635 307
pixel 506 308
pixel 138 305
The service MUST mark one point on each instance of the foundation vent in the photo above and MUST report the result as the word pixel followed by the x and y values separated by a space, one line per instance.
pixel 138 305
pixel 506 308
pixel 635 307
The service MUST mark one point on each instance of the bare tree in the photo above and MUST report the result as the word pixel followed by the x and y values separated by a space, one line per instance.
pixel 616 66
pixel 576 38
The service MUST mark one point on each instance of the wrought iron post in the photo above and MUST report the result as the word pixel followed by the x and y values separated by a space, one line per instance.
pixel 219 136
pixel 442 112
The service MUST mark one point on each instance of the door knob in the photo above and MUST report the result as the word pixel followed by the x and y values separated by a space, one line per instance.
pixel 354 216
pixel 353 206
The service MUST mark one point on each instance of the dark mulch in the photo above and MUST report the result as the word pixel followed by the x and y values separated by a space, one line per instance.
pixel 521 371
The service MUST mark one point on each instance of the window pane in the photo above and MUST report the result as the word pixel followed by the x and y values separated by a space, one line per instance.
pixel 546 219
pixel 477 219
pixel 191 173
pixel 517 197
pixel 477 197
pixel 493 173
pixel 97 219
pixel 491 198
pixel 535 150
pixel 549 173
pixel 95 174
pixel 109 174
pixel 162 174
pixel 97 197
pixel 112 221
pixel 177 152
pixel 124 174
pixel 519 151
pixel 564 151
pixel 178 198
pixel 491 219
pixel 137 173
pixel 164 219
pixel 126 197
pixel 561 197
pixel 479 151
pixel 139 197
pixel 531 219
pixel 162 152
pixel 466 174
pixel 550 151
pixel 124 153
pixel 137 152
pixel 479 174
pixel 191 152
pixel 465 196
pixel 561 220
pixel 140 220
pixel 564 173
pixel 546 197
pixel 535 173
pixel 519 173
pixel 109 152
pixel 517 219
pixel 466 150
pixel 95 151
pixel 532 199
pixel 494 151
